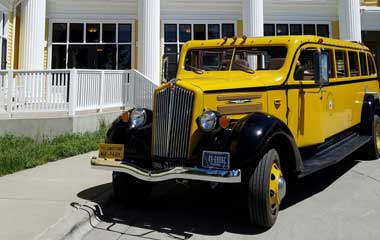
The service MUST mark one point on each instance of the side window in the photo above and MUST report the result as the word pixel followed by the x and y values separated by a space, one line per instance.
pixel 363 64
pixel 330 63
pixel 340 58
pixel 371 65
pixel 354 63
pixel 305 65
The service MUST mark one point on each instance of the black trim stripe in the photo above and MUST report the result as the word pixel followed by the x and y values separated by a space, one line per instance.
pixel 286 87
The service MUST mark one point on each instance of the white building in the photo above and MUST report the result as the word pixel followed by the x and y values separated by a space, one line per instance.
pixel 124 34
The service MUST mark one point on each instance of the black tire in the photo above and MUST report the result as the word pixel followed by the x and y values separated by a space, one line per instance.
pixel 130 190
pixel 260 195
pixel 373 148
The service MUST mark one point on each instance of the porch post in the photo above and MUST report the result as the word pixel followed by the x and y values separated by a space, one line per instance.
pixel 32 34
pixel 349 20
pixel 253 18
pixel 149 39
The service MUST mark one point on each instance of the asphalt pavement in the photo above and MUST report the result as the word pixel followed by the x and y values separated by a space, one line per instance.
pixel 341 202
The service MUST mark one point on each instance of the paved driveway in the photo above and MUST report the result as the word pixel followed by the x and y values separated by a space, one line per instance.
pixel 341 202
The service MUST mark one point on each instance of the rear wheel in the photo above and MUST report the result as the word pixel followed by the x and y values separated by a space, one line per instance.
pixel 129 189
pixel 266 189
pixel 374 145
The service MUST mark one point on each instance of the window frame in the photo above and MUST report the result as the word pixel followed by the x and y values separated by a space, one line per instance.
pixel 366 63
pixel 370 56
pixel 92 21
pixel 346 64
pixel 358 62
pixel 302 23
pixel 192 23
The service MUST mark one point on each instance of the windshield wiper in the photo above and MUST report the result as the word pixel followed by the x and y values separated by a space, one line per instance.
pixel 244 68
pixel 195 69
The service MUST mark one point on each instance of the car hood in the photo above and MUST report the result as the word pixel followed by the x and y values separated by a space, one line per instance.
pixel 230 82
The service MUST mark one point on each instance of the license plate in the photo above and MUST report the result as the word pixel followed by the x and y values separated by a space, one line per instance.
pixel 111 151
pixel 216 160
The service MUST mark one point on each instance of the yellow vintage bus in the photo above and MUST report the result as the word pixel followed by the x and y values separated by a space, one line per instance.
pixel 250 111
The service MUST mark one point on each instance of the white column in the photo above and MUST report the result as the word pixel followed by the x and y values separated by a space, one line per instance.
pixel 32 34
pixel 253 18
pixel 149 39
pixel 349 20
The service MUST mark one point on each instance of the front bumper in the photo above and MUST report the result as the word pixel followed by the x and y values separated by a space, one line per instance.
pixel 201 174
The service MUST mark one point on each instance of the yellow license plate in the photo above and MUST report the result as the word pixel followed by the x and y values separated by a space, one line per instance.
pixel 111 151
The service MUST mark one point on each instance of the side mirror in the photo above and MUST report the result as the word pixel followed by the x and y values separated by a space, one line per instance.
pixel 321 68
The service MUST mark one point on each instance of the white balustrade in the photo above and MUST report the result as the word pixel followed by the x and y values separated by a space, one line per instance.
pixel 72 91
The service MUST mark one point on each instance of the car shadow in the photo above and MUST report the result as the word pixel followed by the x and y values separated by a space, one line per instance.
pixel 180 211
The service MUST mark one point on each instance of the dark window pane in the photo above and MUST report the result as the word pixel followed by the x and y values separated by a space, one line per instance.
pixel 171 52
pixel 305 65
pixel 354 63
pixel 340 58
pixel 93 33
pixel 125 33
pixel 213 31
pixel 59 32
pixel 269 30
pixel 106 56
pixel 125 57
pixel 184 32
pixel 109 33
pixel 4 55
pixel 170 32
pixel 309 29
pixel 199 31
pixel 295 29
pixel 282 29
pixel 228 30
pixel 363 64
pixel 76 32
pixel 92 56
pixel 58 59
pixel 371 65
pixel 323 30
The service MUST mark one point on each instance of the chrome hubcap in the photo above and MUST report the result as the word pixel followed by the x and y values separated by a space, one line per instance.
pixel 281 187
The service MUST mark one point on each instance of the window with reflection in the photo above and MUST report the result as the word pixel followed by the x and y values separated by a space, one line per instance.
pixel 91 46
pixel 176 34
pixel 93 33
pixel 239 59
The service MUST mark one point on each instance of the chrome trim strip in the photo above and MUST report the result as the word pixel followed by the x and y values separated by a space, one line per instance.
pixel 208 175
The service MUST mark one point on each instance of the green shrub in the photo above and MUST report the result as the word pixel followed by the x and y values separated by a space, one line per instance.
pixel 18 153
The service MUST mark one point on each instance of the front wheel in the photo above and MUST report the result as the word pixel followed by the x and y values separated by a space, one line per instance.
pixel 129 189
pixel 373 150
pixel 266 189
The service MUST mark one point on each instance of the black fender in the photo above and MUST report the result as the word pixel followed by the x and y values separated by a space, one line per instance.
pixel 137 141
pixel 371 106
pixel 253 135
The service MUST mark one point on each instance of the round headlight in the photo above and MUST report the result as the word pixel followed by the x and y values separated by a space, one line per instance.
pixel 207 121
pixel 138 117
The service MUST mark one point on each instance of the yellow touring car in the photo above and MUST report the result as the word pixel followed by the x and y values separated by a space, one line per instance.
pixel 252 111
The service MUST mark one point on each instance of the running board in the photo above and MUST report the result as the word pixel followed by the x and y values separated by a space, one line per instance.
pixel 333 154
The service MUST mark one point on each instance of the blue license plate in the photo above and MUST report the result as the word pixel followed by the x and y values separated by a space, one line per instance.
pixel 216 160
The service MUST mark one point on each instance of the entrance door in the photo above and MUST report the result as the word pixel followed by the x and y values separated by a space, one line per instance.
pixel 310 119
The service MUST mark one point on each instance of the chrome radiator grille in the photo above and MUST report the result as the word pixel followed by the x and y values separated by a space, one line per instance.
pixel 172 112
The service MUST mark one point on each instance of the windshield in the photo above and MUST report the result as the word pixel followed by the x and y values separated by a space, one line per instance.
pixel 243 59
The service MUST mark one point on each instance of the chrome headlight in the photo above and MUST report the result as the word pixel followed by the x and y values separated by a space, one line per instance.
pixel 207 121
pixel 138 117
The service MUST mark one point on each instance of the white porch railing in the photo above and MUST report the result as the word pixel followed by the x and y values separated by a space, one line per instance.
pixel 72 91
